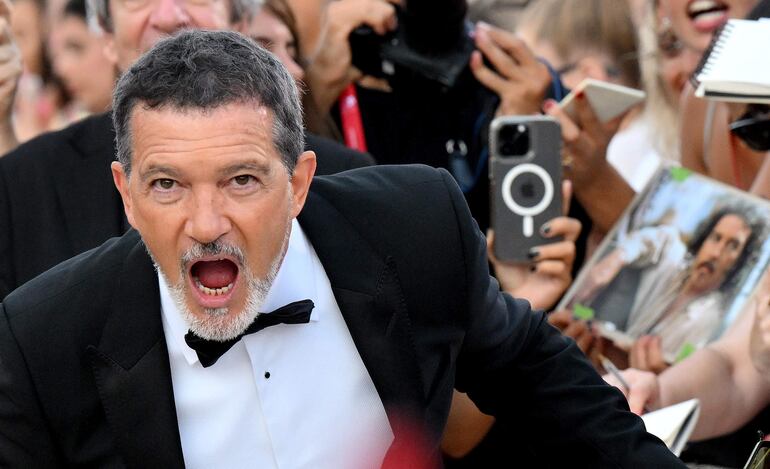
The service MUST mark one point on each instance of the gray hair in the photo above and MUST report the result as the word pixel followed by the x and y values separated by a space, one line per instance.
pixel 99 10
pixel 204 70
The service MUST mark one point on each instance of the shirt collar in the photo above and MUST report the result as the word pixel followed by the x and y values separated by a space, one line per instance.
pixel 295 280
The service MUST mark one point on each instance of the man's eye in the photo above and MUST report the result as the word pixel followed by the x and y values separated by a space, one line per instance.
pixel 243 180
pixel 164 184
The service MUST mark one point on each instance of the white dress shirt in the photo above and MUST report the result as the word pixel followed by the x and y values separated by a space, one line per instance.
pixel 288 396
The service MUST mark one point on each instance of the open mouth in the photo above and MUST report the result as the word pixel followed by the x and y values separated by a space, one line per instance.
pixel 707 266
pixel 214 280
pixel 707 15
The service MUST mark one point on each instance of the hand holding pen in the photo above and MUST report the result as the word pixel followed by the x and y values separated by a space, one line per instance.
pixel 640 387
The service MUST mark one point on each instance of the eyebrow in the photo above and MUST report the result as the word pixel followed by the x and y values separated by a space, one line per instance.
pixel 263 169
pixel 155 170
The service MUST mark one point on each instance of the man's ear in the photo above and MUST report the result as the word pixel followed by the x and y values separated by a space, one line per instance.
pixel 300 181
pixel 121 179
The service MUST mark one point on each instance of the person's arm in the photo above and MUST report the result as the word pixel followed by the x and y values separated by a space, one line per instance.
pixel 10 71
pixel 721 375
pixel 598 186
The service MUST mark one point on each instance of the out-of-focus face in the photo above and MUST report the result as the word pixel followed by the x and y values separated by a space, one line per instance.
pixel 718 253
pixel 27 28
pixel 80 62
pixel 695 21
pixel 213 201
pixel 138 24
pixel 576 68
pixel 276 37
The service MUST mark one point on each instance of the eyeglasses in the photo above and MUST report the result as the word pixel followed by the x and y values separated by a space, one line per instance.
pixel 753 127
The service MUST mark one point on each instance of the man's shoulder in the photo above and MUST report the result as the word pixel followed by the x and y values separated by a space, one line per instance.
pixel 333 157
pixel 403 197
pixel 72 141
pixel 76 284
pixel 376 181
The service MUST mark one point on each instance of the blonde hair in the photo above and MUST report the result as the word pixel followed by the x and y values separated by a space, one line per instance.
pixel 661 114
pixel 603 26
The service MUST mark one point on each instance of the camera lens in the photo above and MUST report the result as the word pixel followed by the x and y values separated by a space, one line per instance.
pixel 513 140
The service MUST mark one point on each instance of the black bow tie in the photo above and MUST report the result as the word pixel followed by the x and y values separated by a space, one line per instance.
pixel 209 351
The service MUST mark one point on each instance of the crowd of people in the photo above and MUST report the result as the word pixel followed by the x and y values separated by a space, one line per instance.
pixel 96 109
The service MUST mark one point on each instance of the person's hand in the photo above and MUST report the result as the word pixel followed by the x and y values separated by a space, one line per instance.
pixel 545 280
pixel 518 77
pixel 585 139
pixel 647 354
pixel 644 392
pixel 329 69
pixel 582 332
pixel 759 344
pixel 10 71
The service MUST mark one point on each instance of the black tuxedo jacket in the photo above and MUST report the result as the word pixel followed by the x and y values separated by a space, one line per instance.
pixel 57 198
pixel 84 370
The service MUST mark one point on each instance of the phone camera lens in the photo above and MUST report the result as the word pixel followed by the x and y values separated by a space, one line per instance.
pixel 513 140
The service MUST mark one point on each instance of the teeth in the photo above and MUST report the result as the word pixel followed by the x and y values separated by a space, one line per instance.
pixel 703 5
pixel 212 291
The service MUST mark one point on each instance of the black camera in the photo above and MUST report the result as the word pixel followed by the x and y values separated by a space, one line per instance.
pixel 513 140
pixel 432 43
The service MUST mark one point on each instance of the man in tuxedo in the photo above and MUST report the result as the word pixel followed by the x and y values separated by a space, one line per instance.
pixel 56 195
pixel 283 324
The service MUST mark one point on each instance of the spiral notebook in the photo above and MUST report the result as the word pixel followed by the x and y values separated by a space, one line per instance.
pixel 734 68
pixel 674 424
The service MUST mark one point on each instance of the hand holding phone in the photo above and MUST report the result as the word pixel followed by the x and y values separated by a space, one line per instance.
pixel 525 180
pixel 608 100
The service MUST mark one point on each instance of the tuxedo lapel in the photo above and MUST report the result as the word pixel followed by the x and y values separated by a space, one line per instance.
pixel 85 189
pixel 369 296
pixel 132 371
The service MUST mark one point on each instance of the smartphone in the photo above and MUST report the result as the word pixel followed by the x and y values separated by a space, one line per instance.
pixel 525 182
pixel 760 457
pixel 608 100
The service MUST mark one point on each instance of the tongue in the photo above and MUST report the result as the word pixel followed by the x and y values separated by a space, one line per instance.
pixel 215 274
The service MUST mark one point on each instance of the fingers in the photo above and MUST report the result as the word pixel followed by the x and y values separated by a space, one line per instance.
pixel 569 129
pixel 585 115
pixel 647 354
pixel 562 252
pixel 485 75
pixel 491 246
pixel 492 50
pixel 567 227
pixel 513 45
pixel 560 319
pixel 566 196
pixel 556 268
pixel 346 15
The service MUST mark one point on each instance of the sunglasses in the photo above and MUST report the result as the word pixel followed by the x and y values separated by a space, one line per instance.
pixel 753 127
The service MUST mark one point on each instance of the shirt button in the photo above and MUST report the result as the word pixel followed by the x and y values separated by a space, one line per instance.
pixel 267 375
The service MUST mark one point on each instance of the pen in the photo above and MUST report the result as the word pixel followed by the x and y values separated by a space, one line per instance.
pixel 613 370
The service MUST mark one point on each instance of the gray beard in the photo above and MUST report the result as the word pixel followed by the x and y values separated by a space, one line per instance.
pixel 218 324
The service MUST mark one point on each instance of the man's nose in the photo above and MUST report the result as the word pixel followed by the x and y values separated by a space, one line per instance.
pixel 169 16
pixel 208 222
